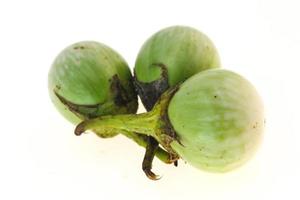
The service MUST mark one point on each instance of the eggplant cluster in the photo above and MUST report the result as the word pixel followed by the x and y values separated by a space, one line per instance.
pixel 210 117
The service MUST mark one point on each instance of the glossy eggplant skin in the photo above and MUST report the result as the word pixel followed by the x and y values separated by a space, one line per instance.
pixel 89 79
pixel 169 57
pixel 219 119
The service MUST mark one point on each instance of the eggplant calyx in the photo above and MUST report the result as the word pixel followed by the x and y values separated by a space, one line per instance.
pixel 150 92
pixel 121 97
pixel 121 101
pixel 166 133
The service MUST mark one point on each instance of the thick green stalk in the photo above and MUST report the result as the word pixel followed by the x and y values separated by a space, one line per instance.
pixel 154 123
pixel 144 123
pixel 127 125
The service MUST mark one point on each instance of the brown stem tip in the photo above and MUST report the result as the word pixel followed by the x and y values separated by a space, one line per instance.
pixel 79 129
pixel 151 175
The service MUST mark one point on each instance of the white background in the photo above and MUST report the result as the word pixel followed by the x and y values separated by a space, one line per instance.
pixel 42 159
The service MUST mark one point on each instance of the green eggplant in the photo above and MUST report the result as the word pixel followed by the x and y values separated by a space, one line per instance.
pixel 89 79
pixel 169 57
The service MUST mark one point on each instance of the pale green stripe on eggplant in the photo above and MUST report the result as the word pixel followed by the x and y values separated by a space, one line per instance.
pixel 219 120
pixel 183 50
pixel 83 62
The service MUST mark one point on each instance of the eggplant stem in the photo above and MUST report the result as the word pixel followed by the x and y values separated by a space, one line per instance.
pixel 142 123
pixel 154 123
pixel 141 140
pixel 151 149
